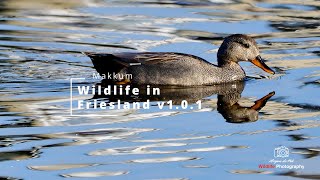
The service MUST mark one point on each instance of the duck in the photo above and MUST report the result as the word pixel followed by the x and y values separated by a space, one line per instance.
pixel 180 69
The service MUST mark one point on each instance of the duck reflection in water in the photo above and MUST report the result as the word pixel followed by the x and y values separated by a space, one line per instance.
pixel 227 105
pixel 233 112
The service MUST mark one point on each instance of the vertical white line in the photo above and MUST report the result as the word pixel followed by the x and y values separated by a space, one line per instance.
pixel 70 96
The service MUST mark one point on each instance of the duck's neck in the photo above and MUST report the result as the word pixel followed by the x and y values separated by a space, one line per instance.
pixel 229 72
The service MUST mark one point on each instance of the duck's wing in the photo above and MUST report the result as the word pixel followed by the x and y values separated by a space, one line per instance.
pixel 115 62
pixel 144 58
pixel 155 57
pixel 152 58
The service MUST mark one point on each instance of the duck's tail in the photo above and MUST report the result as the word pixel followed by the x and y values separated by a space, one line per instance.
pixel 105 63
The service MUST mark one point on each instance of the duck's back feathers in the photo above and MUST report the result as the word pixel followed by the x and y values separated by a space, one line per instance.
pixel 143 58
pixel 105 62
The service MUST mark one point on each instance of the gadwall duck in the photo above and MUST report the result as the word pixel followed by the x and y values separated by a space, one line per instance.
pixel 168 68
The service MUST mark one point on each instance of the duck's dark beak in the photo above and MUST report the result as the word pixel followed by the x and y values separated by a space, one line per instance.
pixel 258 61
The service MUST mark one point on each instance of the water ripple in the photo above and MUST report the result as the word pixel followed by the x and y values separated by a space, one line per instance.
pixel 94 174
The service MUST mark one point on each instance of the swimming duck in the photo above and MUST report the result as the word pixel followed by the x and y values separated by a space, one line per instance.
pixel 169 68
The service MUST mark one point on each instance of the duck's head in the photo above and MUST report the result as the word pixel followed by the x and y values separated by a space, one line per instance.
pixel 239 47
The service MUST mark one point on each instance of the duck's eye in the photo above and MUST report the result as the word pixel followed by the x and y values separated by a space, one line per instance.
pixel 244 44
